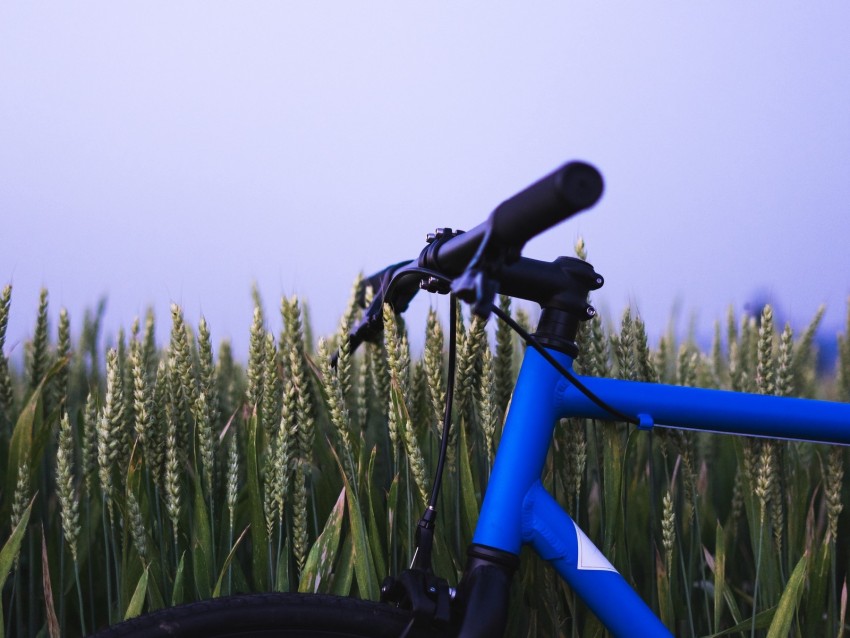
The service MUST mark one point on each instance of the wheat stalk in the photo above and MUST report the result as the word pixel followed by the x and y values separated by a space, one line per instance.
pixel 668 529
pixel 182 386
pixel 39 347
pixel 69 502
pixel 337 408
pixel 109 429
pixel 6 395
pixel 487 408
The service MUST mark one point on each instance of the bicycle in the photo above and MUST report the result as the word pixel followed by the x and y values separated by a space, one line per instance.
pixel 517 510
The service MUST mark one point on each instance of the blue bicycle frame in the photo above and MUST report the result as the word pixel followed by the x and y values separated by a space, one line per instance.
pixel 518 510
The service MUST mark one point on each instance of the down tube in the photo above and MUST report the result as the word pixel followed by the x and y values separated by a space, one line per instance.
pixel 517 510
pixel 556 538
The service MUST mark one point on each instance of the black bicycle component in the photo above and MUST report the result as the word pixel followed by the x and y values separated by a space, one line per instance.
pixel 534 343
pixel 484 591
pixel 427 596
pixel 427 523
pixel 563 284
pixel 476 259
pixel 424 540
pixel 549 201
pixel 491 263
pixel 273 614
pixel 557 329
pixel 572 188
pixel 386 288
pixel 478 286
pixel 486 260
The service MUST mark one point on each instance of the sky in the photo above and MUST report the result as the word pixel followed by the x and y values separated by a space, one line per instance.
pixel 163 152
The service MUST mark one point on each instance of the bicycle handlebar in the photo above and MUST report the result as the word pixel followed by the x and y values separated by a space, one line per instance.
pixel 561 194
pixel 574 187
pixel 571 189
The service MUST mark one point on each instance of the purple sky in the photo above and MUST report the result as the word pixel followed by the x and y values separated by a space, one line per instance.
pixel 164 152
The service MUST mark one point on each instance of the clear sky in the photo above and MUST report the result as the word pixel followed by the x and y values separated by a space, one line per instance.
pixel 160 152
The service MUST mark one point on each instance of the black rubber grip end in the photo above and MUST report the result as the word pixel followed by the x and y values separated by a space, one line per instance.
pixel 549 201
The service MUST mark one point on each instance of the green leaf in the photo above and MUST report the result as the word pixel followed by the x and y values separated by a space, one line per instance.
pixel 819 579
pixel 717 564
pixel 665 597
pixel 787 607
pixel 612 463
pixel 392 518
pixel 21 446
pixel 343 575
pixel 201 571
pixel 157 601
pixel 372 521
pixel 202 557
pixel 29 437
pixel 320 559
pixel 9 552
pixel 259 538
pixel 177 597
pixel 719 573
pixel 469 500
pixel 763 619
pixel 13 544
pixel 134 608
pixel 282 577
pixel 364 568
pixel 52 621
pixel 217 589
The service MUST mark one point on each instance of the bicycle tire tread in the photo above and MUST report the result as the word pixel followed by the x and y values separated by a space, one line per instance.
pixel 282 614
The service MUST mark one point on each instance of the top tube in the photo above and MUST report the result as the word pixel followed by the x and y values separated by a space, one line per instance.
pixel 707 410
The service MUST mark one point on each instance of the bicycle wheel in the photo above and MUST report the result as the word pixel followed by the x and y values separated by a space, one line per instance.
pixel 265 615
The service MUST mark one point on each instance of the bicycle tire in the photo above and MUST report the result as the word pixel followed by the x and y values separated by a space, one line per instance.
pixel 273 614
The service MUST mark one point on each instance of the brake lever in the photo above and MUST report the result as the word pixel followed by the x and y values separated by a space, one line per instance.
pixel 479 283
pixel 477 289
pixel 370 327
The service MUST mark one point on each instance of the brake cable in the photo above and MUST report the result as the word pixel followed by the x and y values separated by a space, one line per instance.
pixel 529 339
pixel 425 527
pixel 414 582
pixel 534 343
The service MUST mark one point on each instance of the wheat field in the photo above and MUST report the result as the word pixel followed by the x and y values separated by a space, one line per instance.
pixel 152 474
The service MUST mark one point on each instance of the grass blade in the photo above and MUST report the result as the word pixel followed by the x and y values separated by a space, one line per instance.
pixel 177 594
pixel 372 520
pixel 819 576
pixel 217 589
pixel 13 544
pixel 468 497
pixel 259 539
pixel 343 576
pixel 787 607
pixel 134 608
pixel 320 560
pixel 9 552
pixel 612 464
pixel 202 557
pixel 762 620
pixel 364 567
pixel 665 597
pixel 719 574
pixel 52 621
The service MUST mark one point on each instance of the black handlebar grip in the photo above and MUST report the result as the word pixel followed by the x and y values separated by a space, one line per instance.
pixel 561 194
